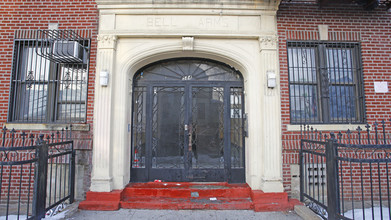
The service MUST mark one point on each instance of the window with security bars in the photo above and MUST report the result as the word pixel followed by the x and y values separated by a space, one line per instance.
pixel 49 78
pixel 325 83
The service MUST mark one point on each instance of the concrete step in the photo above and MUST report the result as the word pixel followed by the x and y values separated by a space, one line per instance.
pixel 186 190
pixel 187 195
pixel 173 195
pixel 187 203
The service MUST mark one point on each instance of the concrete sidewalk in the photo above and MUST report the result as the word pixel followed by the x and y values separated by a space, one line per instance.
pixel 134 214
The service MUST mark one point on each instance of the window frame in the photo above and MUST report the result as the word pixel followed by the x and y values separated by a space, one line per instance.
pixel 54 84
pixel 323 83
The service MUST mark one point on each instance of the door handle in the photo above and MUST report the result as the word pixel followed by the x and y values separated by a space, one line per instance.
pixel 190 133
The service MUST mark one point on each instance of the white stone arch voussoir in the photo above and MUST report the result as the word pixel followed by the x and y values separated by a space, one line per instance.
pixel 147 55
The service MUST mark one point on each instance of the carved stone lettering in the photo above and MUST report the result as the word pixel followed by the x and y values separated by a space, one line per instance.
pixel 161 22
pixel 172 23
pixel 213 22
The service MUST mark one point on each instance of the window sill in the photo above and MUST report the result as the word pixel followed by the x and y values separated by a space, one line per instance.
pixel 329 127
pixel 47 127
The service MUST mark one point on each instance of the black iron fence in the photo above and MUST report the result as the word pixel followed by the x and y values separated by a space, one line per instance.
pixel 346 175
pixel 37 173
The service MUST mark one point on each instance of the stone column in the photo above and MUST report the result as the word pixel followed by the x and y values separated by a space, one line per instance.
pixel 271 151
pixel 102 178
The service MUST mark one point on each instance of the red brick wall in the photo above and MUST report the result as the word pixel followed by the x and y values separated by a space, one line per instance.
pixel 18 181
pixel 375 30
pixel 374 26
pixel 69 14
pixel 356 185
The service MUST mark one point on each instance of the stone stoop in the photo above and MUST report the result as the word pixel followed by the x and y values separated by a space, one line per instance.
pixel 268 202
pixel 180 195
pixel 103 201
pixel 187 196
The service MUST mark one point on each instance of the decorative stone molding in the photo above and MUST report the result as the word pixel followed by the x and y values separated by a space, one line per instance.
pixel 268 42
pixel 226 35
pixel 102 172
pixel 188 43
pixel 107 41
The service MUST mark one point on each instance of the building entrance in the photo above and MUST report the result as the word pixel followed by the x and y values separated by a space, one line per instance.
pixel 188 122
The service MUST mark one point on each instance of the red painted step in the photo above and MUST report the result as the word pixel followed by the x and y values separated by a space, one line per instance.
pixel 173 195
pixel 186 195
pixel 103 201
pixel 184 190
pixel 182 203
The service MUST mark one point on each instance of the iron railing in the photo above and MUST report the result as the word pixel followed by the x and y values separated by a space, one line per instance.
pixel 37 173
pixel 347 175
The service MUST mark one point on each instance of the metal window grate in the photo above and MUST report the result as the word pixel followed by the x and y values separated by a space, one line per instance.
pixel 49 76
pixel 325 82
pixel 62 46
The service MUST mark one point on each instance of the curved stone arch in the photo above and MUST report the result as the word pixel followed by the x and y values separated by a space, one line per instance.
pixel 130 59
pixel 146 56
pixel 188 68
pixel 140 57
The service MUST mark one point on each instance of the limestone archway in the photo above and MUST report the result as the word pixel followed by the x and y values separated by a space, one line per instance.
pixel 125 46
pixel 187 122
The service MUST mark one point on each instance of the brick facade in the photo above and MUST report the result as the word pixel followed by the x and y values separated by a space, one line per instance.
pixel 69 14
pixel 374 29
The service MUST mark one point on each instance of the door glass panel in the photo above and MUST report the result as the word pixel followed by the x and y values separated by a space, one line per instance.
pixel 236 128
pixel 185 70
pixel 139 120
pixel 168 127
pixel 207 127
pixel 186 127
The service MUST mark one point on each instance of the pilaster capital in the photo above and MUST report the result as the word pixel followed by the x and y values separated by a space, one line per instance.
pixel 268 42
pixel 106 41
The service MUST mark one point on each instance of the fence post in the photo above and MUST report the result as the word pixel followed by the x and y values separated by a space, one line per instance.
pixel 72 176
pixel 301 166
pixel 332 179
pixel 41 168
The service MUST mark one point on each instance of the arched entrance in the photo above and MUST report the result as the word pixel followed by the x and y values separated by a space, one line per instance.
pixel 188 122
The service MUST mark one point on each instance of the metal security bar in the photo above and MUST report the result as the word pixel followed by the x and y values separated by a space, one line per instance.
pixel 188 122
pixel 347 176
pixel 49 76
pixel 37 173
pixel 325 82
pixel 62 46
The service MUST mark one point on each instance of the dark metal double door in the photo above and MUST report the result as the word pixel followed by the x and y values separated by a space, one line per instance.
pixel 193 132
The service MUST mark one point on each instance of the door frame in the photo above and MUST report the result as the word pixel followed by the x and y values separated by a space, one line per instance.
pixel 227 174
